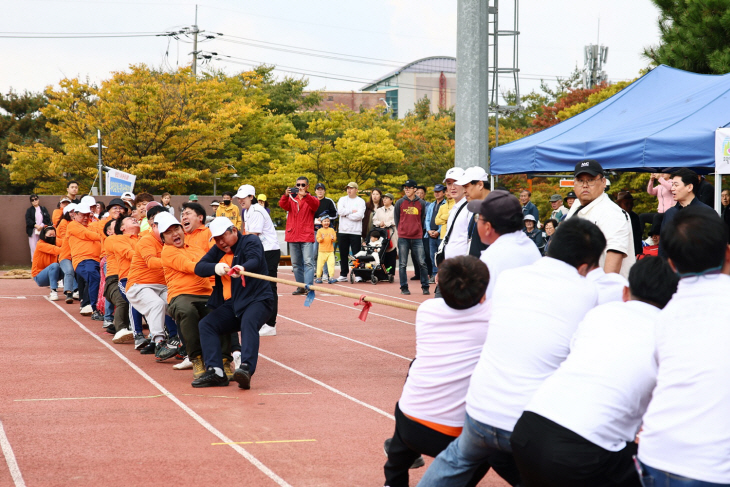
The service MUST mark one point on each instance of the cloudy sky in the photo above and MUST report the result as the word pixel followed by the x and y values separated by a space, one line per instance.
pixel 338 44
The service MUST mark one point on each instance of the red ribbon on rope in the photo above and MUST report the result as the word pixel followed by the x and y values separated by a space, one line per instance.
pixel 366 305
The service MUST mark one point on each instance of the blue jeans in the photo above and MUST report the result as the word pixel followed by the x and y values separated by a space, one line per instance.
pixel 302 261
pixel 478 443
pixel 88 270
pixel 415 245
pixel 48 276
pixel 653 477
pixel 134 316
pixel 435 242
pixel 69 277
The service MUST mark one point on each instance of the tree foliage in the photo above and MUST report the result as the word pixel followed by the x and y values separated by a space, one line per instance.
pixel 694 36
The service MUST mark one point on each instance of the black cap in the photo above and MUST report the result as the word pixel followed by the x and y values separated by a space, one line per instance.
pixel 410 183
pixel 116 202
pixel 499 205
pixel 319 185
pixel 589 166
pixel 570 195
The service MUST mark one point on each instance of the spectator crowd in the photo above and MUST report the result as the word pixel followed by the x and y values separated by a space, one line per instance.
pixel 509 374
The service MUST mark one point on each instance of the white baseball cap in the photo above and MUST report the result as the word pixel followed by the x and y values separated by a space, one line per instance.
pixel 69 207
pixel 89 200
pixel 245 190
pixel 219 225
pixel 127 194
pixel 529 217
pixel 454 173
pixel 474 173
pixel 165 220
pixel 82 207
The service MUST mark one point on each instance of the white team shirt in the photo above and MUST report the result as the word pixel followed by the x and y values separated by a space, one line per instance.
pixel 602 389
pixel 507 252
pixel 257 220
pixel 686 427
pixel 448 345
pixel 459 239
pixel 529 337
pixel 615 225
pixel 610 286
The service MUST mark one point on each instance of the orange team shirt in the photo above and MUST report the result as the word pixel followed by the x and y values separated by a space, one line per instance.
pixel 179 266
pixel 85 243
pixel 326 238
pixel 201 238
pixel 122 248
pixel 146 267
pixel 226 280
pixel 112 263
pixel 45 254
pixel 61 236
pixel 98 227
pixel 57 214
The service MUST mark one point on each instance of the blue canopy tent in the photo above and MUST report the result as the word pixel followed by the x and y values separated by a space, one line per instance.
pixel 667 118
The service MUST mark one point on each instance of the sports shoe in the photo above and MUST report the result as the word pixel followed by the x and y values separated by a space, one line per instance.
pixel 140 341
pixel 426 292
pixel 198 367
pixel 210 379
pixel 325 277
pixel 342 279
pixel 318 281
pixel 417 463
pixel 228 368
pixel 243 377
pixel 75 295
pixel 53 296
pixel 299 292
pixel 405 291
pixel 88 311
pixel 267 331
pixel 148 349
pixel 415 278
pixel 185 364
pixel 96 316
pixel 432 280
pixel 110 328
pixel 106 323
pixel 358 279
pixel 332 281
pixel 167 349
pixel 69 298
pixel 236 359
pixel 124 335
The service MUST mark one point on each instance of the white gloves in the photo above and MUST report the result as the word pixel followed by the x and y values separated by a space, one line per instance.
pixel 221 269
pixel 237 270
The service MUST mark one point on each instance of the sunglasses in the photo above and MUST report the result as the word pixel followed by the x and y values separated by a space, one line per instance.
pixel 34 199
pixel 301 185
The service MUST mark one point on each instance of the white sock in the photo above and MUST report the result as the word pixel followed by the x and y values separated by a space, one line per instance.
pixel 236 353
pixel 218 371
pixel 158 339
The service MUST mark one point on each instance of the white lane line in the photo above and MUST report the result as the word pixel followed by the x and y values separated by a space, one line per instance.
pixel 346 338
pixel 254 461
pixel 374 314
pixel 16 297
pixel 329 388
pixel 10 459
pixel 358 290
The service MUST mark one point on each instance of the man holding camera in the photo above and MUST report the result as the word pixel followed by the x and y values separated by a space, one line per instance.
pixel 300 207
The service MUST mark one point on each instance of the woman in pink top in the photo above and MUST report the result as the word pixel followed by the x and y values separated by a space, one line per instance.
pixel 663 192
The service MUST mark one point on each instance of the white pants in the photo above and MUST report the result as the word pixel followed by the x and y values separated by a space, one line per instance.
pixel 151 301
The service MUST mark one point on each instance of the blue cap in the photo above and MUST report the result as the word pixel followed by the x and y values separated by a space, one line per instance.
pixel 439 187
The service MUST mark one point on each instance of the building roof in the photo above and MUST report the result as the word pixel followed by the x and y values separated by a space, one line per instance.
pixel 433 64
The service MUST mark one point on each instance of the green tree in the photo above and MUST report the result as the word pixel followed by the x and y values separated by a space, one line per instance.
pixel 694 36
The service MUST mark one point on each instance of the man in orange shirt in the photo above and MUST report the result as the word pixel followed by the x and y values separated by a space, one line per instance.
pixel 70 286
pixel 187 294
pixel 58 212
pixel 85 254
pixel 192 219
pixel 146 286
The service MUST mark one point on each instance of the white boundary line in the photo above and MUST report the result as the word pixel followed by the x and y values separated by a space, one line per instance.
pixel 329 388
pixel 254 461
pixel 346 338
pixel 10 459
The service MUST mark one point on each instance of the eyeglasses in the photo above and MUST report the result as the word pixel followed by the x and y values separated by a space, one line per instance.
pixel 587 182
pixel 301 185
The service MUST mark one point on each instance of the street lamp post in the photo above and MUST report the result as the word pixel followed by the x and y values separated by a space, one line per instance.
pixel 99 163
pixel 216 179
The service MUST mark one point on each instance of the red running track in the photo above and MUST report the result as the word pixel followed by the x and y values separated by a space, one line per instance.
pixel 78 410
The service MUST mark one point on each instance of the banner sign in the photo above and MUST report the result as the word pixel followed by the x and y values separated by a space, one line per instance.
pixel 722 151
pixel 117 182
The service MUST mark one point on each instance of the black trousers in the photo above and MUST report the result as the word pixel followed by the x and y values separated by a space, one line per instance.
pixel 549 455
pixel 410 440
pixel 121 305
pixel 348 243
pixel 272 262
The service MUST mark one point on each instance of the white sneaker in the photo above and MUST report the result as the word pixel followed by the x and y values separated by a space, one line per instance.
pixel 76 295
pixel 342 279
pixel 236 359
pixel 358 279
pixel 107 323
pixel 185 364
pixel 60 284
pixel 267 331
pixel 86 310
pixel 53 296
pixel 123 336
pixel 325 277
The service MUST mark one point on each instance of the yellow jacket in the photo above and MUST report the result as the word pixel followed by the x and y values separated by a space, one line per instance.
pixel 443 215
pixel 232 212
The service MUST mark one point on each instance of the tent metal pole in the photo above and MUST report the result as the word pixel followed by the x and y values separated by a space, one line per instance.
pixel 718 193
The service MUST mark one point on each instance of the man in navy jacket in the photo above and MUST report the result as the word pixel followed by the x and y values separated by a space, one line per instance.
pixel 237 303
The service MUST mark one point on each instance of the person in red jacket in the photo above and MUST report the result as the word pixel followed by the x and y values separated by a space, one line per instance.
pixel 300 207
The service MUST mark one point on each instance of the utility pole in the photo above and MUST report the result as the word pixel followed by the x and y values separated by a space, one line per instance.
pixel 195 32
pixel 101 166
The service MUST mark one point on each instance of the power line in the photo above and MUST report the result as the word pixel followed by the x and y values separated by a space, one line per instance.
pixel 79 35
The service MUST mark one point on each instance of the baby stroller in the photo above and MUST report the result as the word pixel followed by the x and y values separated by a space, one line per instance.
pixel 365 267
